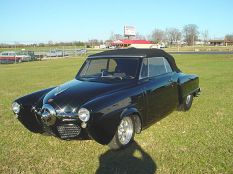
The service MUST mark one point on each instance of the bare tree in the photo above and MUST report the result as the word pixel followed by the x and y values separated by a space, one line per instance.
pixel 158 35
pixel 229 37
pixel 205 36
pixel 114 36
pixel 50 43
pixel 173 35
pixel 139 36
pixel 93 42
pixel 118 37
pixel 190 33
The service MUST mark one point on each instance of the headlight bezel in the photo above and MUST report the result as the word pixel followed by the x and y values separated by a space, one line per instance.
pixel 84 114
pixel 15 107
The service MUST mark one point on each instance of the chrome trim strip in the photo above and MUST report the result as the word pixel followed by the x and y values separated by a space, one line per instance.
pixel 67 115
pixel 69 119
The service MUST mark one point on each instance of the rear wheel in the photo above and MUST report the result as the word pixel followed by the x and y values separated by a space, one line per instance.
pixel 188 102
pixel 124 134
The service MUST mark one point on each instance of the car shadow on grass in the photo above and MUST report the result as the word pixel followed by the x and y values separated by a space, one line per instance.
pixel 132 159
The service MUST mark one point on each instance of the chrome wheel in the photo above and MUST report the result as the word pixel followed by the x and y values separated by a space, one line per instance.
pixel 125 130
pixel 188 99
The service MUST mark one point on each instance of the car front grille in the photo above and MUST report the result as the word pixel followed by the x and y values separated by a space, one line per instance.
pixel 68 131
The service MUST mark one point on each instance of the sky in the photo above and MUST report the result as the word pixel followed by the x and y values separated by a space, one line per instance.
pixel 73 20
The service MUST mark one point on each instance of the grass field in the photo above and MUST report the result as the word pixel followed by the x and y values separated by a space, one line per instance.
pixel 198 141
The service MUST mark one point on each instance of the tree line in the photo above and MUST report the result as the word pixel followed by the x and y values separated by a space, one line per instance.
pixel 171 36
pixel 188 35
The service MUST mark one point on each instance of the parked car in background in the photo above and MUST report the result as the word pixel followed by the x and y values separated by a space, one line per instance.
pixel 112 47
pixel 80 51
pixel 13 57
pixel 24 56
pixel 114 95
pixel 56 53
pixel 8 57
pixel 32 54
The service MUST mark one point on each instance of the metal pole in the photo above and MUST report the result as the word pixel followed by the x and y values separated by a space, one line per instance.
pixel 75 50
pixel 193 44
pixel 178 48
pixel 15 52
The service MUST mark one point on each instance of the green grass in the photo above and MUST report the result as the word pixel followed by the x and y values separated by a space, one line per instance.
pixel 198 141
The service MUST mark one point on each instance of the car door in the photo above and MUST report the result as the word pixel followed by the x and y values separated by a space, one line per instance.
pixel 160 88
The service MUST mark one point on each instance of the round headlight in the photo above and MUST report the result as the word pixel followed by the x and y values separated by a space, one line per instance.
pixel 15 107
pixel 84 114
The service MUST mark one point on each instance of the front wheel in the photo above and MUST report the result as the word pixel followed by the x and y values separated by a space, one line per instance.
pixel 124 134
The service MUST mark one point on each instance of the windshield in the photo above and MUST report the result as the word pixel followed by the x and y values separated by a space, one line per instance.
pixel 109 69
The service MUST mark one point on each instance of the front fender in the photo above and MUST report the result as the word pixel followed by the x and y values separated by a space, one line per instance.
pixel 108 110
pixel 33 98
pixel 130 111
pixel 26 116
pixel 136 116
pixel 104 127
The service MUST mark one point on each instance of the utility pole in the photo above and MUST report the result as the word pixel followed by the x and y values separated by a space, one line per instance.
pixel 178 48
pixel 15 52
pixel 193 43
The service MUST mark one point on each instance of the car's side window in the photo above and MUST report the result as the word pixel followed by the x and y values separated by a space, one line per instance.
pixel 167 66
pixel 144 69
pixel 112 65
pixel 158 66
pixel 5 54
pixel 154 66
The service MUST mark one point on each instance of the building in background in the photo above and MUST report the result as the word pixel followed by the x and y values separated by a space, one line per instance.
pixel 220 43
pixel 134 43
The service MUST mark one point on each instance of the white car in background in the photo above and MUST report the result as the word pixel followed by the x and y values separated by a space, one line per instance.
pixel 56 53
pixel 23 57
pixel 12 56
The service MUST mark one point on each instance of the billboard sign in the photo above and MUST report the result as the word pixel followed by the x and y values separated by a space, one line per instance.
pixel 129 31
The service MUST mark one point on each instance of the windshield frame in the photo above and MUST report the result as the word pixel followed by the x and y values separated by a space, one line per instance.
pixel 109 58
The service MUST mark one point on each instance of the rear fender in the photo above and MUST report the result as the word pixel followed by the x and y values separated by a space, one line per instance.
pixel 188 84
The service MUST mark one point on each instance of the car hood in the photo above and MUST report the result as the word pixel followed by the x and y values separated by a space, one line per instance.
pixel 75 93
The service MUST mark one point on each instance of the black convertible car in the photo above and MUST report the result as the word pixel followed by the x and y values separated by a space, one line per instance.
pixel 114 95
